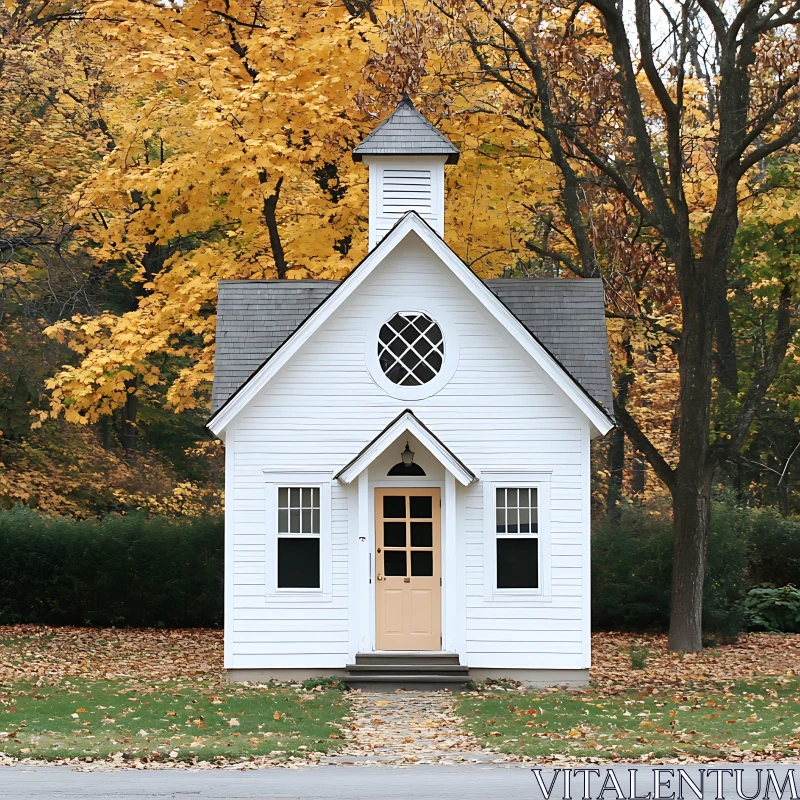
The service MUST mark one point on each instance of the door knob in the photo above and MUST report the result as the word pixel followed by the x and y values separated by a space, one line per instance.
pixel 381 578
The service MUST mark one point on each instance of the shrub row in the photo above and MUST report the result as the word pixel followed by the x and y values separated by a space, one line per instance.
pixel 632 567
pixel 140 571
pixel 122 571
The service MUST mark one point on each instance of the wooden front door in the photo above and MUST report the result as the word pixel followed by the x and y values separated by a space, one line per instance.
pixel 408 564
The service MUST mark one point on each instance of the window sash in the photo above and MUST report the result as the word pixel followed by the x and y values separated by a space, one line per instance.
pixel 294 571
pixel 538 480
pixel 279 486
pixel 516 511
pixel 299 511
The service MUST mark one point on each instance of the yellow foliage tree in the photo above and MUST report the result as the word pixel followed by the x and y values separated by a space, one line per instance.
pixel 233 161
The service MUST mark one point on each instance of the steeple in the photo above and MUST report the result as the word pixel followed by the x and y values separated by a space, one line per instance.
pixel 406 156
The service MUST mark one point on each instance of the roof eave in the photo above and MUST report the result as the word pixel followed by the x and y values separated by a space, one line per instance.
pixel 451 158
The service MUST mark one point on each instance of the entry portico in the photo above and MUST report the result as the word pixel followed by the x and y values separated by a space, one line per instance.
pixel 403 514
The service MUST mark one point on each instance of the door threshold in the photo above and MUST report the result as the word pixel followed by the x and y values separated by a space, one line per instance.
pixel 407 652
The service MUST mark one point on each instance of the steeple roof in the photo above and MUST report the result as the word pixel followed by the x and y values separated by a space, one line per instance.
pixel 406 133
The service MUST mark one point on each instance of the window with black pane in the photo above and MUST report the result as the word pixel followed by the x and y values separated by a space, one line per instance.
pixel 299 537
pixel 517 542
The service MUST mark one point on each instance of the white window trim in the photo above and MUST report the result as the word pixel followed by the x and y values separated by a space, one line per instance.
pixel 516 480
pixel 316 480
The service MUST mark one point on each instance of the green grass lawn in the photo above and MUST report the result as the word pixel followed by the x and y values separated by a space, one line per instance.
pixel 180 720
pixel 745 716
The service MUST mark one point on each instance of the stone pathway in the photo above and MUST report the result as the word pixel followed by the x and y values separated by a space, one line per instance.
pixel 408 727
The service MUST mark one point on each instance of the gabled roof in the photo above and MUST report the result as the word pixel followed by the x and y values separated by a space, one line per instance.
pixel 599 417
pixel 254 318
pixel 407 422
pixel 406 133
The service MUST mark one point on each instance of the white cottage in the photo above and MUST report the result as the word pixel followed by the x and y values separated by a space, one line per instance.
pixel 407 454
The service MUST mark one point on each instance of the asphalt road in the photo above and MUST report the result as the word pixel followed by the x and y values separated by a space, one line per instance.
pixel 350 783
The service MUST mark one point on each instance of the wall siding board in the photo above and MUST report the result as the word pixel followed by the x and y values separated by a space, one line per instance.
pixel 498 411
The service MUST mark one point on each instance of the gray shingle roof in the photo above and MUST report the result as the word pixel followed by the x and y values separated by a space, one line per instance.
pixel 567 316
pixel 406 133
pixel 253 319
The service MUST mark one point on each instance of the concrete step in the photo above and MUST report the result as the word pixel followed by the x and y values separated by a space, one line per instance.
pixel 408 669
pixel 401 657
pixel 377 682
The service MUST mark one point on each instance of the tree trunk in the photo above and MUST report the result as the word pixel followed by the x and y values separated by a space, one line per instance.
pixel 616 466
pixel 616 449
pixel 271 221
pixel 639 469
pixel 691 490
pixel 129 412
pixel 691 509
pixel 105 432
pixel 784 503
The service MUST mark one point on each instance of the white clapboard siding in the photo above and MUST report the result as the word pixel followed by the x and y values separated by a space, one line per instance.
pixel 498 412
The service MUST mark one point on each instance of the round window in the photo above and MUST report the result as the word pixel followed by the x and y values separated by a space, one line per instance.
pixel 410 348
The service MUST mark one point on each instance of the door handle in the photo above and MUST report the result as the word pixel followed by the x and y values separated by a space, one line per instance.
pixel 381 578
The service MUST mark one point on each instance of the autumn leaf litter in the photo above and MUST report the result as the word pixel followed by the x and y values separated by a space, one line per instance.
pixel 146 661
pixel 756 659
pixel 194 658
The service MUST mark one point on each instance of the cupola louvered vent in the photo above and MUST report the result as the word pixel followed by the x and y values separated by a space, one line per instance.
pixel 397 187
pixel 407 190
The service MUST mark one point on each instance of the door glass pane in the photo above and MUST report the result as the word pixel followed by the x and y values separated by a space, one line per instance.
pixel 283 497
pixel 283 521
pixel 524 520
pixel 512 498
pixel 394 506
pixel 298 563
pixel 524 498
pixel 394 563
pixel 421 535
pixel 306 515
pixel 294 497
pixel 294 519
pixel 422 563
pixel 517 563
pixel 394 534
pixel 501 520
pixel 421 507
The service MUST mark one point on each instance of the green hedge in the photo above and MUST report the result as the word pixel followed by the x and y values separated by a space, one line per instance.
pixel 122 571
pixel 140 571
pixel 632 566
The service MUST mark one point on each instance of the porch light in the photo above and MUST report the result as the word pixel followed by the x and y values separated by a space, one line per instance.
pixel 408 456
